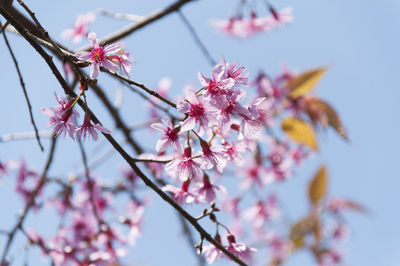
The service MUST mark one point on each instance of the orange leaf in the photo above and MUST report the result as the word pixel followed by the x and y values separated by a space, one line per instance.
pixel 318 186
pixel 303 83
pixel 300 131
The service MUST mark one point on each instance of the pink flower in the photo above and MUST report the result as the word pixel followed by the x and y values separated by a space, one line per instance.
pixel 124 62
pixel 99 55
pixel 185 166
pixel 280 247
pixel 213 254
pixel 3 169
pixel 207 190
pixel 27 182
pixel 182 195
pixel 263 212
pixel 234 152
pixel 218 85
pixel 253 174
pixel 213 156
pixel 79 29
pixel 198 113
pixel 238 73
pixel 88 127
pixel 163 87
pixel 240 250
pixel 170 137
pixel 134 221
pixel 232 206
pixel 251 124
pixel 61 117
pixel 280 164
pixel 240 27
pixel 232 108
pixel 277 19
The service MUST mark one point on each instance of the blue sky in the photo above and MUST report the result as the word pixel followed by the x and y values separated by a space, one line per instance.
pixel 358 39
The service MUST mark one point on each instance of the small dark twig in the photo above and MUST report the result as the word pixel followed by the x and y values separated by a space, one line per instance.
pixel 30 203
pixel 21 81
pixel 89 182
pixel 140 85
pixel 147 20
pixel 197 39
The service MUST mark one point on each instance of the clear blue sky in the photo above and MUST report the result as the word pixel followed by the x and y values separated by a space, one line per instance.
pixel 358 39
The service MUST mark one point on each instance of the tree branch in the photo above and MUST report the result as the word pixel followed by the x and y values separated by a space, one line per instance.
pixel 144 22
pixel 30 203
pixel 21 81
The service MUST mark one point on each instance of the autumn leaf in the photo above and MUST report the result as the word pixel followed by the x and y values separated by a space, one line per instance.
pixel 303 83
pixel 318 186
pixel 325 114
pixel 300 131
pixel 301 229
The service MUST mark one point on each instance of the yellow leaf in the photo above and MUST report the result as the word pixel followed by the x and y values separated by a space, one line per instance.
pixel 303 83
pixel 318 186
pixel 300 131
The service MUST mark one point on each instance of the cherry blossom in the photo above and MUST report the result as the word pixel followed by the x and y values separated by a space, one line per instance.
pixel 198 111
pixel 62 117
pixel 79 30
pixel 182 195
pixel 240 250
pixel 170 137
pixel 263 212
pixel 213 156
pixel 89 129
pixel 185 166
pixel 207 190
pixel 99 55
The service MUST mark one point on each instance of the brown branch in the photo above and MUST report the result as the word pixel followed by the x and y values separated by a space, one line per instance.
pixel 21 81
pixel 89 182
pixel 188 232
pixel 30 203
pixel 137 84
pixel 146 21
pixel 197 39
pixel 48 59
pixel 25 135
pixel 151 101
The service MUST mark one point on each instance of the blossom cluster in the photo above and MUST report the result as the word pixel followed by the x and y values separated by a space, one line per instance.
pixel 63 116
pixel 245 27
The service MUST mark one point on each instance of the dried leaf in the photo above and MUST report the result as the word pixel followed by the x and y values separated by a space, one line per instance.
pixel 303 83
pixel 301 229
pixel 324 113
pixel 355 206
pixel 300 132
pixel 318 186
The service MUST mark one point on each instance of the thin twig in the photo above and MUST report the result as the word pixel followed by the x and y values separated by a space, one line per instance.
pixel 146 21
pixel 25 135
pixel 130 17
pixel 151 161
pixel 151 101
pixel 21 81
pixel 30 203
pixel 197 39
pixel 190 238
pixel 89 182
pixel 140 85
